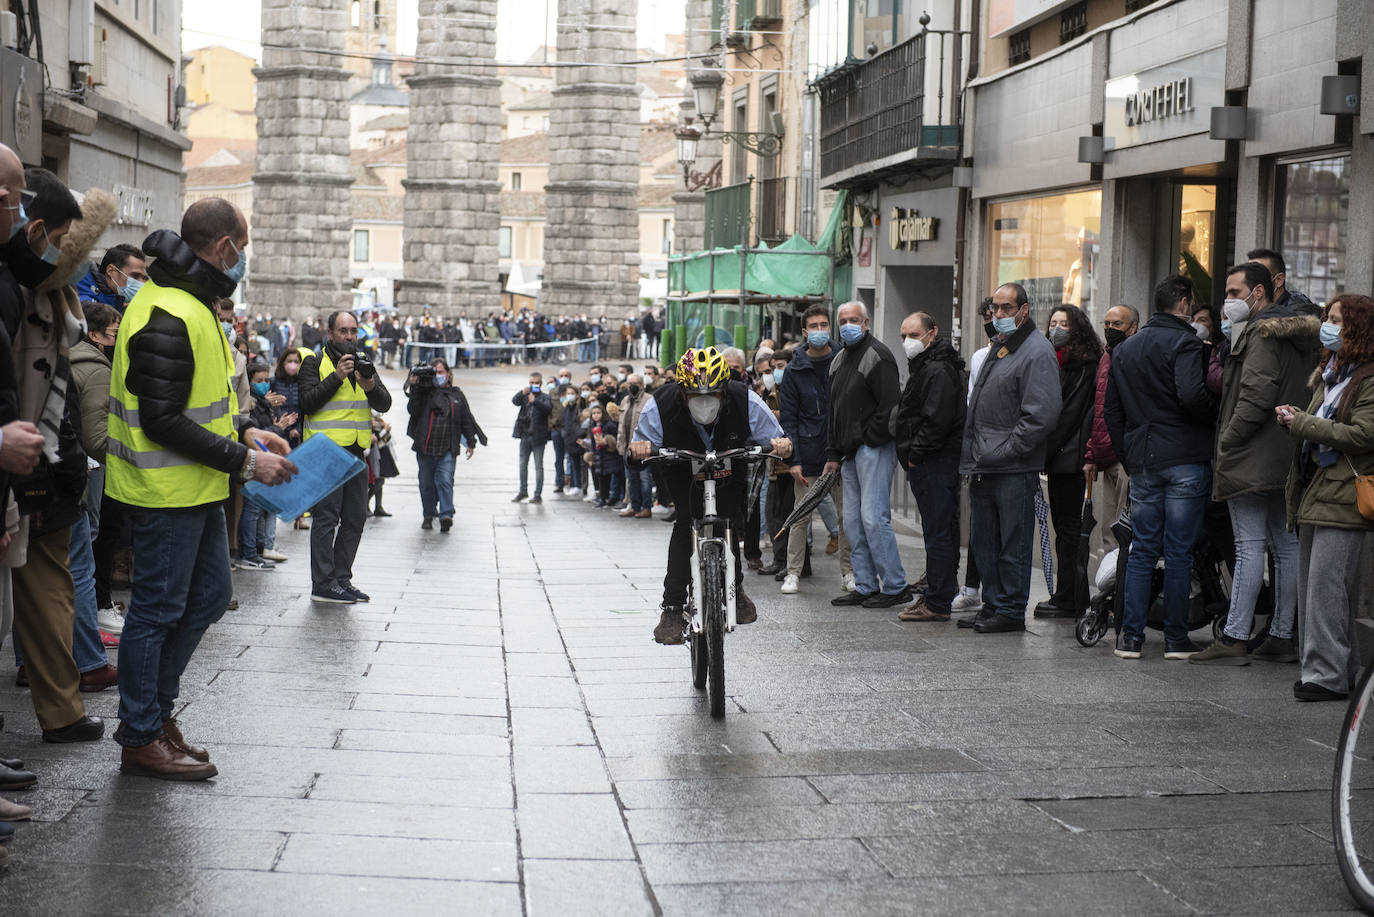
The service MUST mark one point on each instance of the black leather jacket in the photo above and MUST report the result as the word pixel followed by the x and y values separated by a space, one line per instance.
pixel 162 363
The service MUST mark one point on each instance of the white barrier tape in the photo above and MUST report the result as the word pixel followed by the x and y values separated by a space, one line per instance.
pixel 504 345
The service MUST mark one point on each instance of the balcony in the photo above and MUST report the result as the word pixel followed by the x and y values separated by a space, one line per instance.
pixel 770 219
pixel 727 215
pixel 877 117
pixel 758 15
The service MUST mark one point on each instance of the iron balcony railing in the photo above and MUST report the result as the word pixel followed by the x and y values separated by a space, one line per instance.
pixel 771 213
pixel 874 109
pixel 727 215
pixel 752 15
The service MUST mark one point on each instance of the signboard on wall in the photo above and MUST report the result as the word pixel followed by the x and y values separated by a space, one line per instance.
pixel 1163 103
pixel 1009 15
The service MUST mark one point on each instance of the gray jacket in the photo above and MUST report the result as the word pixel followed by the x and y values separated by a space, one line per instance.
pixel 1014 406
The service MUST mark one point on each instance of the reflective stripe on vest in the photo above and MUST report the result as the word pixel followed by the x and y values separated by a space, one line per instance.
pixel 345 418
pixel 140 471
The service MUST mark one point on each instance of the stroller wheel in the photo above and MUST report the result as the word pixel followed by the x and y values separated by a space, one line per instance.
pixel 1093 624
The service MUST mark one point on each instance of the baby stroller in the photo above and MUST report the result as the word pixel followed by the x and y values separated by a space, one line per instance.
pixel 1209 598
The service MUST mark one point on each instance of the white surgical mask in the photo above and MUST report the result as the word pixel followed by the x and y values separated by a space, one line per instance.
pixel 768 382
pixel 1200 330
pixel 914 347
pixel 704 408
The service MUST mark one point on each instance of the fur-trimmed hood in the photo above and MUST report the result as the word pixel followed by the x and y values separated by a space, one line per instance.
pixel 97 213
pixel 1292 325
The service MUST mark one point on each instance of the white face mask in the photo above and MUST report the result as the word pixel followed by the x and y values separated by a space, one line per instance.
pixel 768 382
pixel 1201 330
pixel 704 408
pixel 1237 310
pixel 914 347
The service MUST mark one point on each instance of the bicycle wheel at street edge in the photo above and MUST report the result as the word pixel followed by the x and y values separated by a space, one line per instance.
pixel 713 610
pixel 1352 796
pixel 697 644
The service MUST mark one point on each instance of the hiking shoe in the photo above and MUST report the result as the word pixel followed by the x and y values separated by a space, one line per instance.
pixel 672 623
pixel 333 595
pixel 1306 690
pixel 918 611
pixel 1222 653
pixel 833 544
pixel 1184 650
pixel 745 612
pixel 886 600
pixel 1128 647
pixel 1276 649
pixel 790 585
pixel 967 600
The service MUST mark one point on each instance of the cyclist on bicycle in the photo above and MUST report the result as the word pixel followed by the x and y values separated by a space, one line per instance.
pixel 703 411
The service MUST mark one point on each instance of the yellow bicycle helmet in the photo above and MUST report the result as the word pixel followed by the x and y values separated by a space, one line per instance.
pixel 702 370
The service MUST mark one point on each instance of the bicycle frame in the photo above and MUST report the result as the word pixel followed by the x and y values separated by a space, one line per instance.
pixel 711 528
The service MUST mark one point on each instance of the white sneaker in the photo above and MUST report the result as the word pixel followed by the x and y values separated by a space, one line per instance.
pixel 790 584
pixel 847 582
pixel 275 556
pixel 967 600
pixel 572 492
pixel 110 620
pixel 589 498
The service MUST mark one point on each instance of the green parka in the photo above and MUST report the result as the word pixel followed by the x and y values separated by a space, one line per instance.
pixel 1328 497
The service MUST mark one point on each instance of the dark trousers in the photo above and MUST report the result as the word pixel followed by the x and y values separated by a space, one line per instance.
pixel 1066 512
pixel 934 483
pixel 335 533
pixel 558 474
pixel 753 515
pixel 782 496
pixel 1003 529
pixel 729 504
pixel 104 546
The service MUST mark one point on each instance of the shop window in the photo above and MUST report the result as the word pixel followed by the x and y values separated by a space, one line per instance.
pixel 503 242
pixel 1073 22
pixel 1313 219
pixel 1018 47
pixel 1049 245
pixel 362 242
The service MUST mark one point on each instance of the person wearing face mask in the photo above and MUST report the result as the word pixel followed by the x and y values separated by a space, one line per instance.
pixel 702 409
pixel 930 427
pixel 864 390
pixel 338 393
pixel 441 425
pixel 1278 271
pixel 1078 350
pixel 532 429
pixel 1335 444
pixel 116 279
pixel 253 527
pixel 1100 458
pixel 639 477
pixel 566 432
pixel 1273 349
pixel 1161 418
pixel 970 596
pixel 560 474
pixel 1013 410
pixel 778 497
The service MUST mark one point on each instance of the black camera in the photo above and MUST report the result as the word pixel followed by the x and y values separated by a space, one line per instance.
pixel 422 372
pixel 364 367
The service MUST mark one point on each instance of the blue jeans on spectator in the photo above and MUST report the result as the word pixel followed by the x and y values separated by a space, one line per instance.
pixel 252 530
pixel 641 481
pixel 528 448
pixel 1258 519
pixel 436 485
pixel 559 477
pixel 934 483
pixel 179 587
pixel 576 472
pixel 868 520
pixel 1166 518
pixel 1001 532
pixel 617 491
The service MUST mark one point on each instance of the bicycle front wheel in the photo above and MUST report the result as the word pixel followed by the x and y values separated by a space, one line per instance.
pixel 1352 796
pixel 713 610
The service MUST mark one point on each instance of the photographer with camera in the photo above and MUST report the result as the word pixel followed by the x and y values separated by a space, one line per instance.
pixel 339 390
pixel 441 424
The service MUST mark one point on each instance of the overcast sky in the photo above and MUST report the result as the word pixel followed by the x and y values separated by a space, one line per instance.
pixel 204 22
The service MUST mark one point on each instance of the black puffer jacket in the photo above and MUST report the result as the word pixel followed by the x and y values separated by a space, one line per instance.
pixel 162 363
pixel 864 390
pixel 930 416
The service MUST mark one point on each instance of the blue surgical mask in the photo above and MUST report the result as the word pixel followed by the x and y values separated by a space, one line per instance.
pixel 130 289
pixel 535 389
pixel 851 333
pixel 778 374
pixel 240 267
pixel 20 222
pixel 1331 336
pixel 596 378
pixel 261 388
pixel 440 379
pixel 1004 324
pixel 817 339
pixel 52 253
pixel 1226 327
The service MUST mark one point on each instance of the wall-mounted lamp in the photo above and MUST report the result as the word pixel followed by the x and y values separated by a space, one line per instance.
pixel 1092 150
pixel 1340 95
pixel 1229 122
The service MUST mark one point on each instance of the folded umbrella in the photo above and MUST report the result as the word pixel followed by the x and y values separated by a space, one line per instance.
pixel 1085 530
pixel 810 500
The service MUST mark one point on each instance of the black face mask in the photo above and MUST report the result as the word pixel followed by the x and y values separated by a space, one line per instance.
pixel 1114 336
pixel 990 330
pixel 635 390
pixel 29 269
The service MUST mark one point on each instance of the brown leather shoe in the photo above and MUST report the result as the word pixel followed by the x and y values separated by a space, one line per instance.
pixel 627 512
pixel 13 811
pixel 99 679
pixel 745 612
pixel 160 759
pixel 173 733
pixel 917 611
pixel 833 544
pixel 644 514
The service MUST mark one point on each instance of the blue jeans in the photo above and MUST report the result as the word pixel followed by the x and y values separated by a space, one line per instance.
pixel 935 485
pixel 1257 519
pixel 436 485
pixel 1166 518
pixel 559 477
pixel 180 586
pixel 575 472
pixel 641 481
pixel 252 530
pixel 868 520
pixel 1001 531
pixel 528 448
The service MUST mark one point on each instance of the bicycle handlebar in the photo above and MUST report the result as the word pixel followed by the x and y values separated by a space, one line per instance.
pixel 749 453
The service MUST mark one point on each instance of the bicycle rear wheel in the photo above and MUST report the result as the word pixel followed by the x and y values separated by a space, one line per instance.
pixel 697 643
pixel 1352 796
pixel 713 610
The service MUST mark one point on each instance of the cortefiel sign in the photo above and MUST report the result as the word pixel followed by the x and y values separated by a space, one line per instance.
pixel 1165 102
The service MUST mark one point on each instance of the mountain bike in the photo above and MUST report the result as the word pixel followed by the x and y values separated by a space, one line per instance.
pixel 711 590
pixel 1352 795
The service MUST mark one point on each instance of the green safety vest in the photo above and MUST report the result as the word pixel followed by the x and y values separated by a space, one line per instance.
pixel 140 471
pixel 346 417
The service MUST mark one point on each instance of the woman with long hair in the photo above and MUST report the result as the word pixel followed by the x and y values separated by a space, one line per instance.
pixel 1336 443
pixel 1078 349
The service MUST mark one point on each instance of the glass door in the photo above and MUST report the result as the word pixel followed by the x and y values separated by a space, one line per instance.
pixel 1195 239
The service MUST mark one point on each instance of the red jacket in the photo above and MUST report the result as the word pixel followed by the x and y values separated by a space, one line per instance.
pixel 1100 451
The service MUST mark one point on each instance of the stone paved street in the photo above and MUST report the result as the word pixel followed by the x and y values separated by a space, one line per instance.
pixel 496 733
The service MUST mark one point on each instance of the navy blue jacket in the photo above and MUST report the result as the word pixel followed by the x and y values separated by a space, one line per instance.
pixel 92 288
pixel 1158 410
pixel 804 400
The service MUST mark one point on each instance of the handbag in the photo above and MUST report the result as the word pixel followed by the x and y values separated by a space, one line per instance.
pixel 1364 492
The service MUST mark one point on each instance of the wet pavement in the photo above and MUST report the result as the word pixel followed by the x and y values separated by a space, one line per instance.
pixel 496 733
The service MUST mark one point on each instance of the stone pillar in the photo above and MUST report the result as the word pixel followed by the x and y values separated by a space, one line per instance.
pixel 453 189
pixel 591 245
pixel 689 207
pixel 301 208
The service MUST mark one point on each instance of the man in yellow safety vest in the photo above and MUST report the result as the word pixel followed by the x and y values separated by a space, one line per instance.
pixel 339 390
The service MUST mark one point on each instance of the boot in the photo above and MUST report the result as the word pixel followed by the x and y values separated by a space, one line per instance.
pixel 164 761
pixel 173 733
